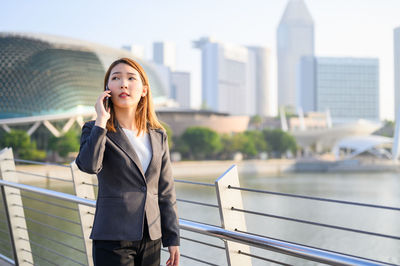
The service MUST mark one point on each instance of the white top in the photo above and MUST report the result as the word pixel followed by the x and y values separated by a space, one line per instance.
pixel 142 146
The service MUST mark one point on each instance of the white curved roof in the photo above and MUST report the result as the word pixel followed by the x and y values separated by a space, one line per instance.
pixel 360 144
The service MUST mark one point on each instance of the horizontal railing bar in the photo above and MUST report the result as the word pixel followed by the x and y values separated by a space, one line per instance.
pixel 48 214
pixel 192 258
pixel 47 202
pixel 313 254
pixel 201 242
pixel 198 203
pixel 194 183
pixel 51 193
pixel 40 257
pixel 317 224
pixel 52 251
pixel 316 198
pixel 51 239
pixel 202 223
pixel 34 162
pixel 44 176
pixel 262 258
pixel 95 185
pixel 6 247
pixel 4 241
pixel 4 232
pixel 7 259
pixel 358 257
pixel 51 227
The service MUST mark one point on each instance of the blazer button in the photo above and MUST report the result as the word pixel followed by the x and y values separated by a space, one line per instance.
pixel 144 189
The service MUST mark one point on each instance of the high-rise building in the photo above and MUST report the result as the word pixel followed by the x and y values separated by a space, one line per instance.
pixel 180 88
pixel 396 72
pixel 347 87
pixel 164 53
pixel 262 80
pixel 234 77
pixel 295 38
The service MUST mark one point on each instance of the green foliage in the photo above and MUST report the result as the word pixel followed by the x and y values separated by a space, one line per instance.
pixel 279 141
pixel 69 142
pixel 200 143
pixel 169 134
pixel 22 146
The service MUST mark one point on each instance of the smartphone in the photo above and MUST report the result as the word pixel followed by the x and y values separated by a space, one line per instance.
pixel 107 100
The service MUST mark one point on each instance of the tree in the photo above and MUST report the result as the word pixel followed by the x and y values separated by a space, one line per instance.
pixel 202 142
pixel 279 141
pixel 257 137
pixel 22 146
pixel 245 144
pixel 65 144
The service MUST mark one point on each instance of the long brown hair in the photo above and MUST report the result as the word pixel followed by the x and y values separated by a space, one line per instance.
pixel 145 113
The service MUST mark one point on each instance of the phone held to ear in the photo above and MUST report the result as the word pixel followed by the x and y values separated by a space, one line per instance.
pixel 107 100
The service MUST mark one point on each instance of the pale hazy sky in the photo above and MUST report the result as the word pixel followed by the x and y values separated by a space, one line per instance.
pixel 342 28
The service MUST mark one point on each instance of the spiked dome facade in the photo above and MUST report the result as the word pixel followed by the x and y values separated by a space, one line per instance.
pixel 42 74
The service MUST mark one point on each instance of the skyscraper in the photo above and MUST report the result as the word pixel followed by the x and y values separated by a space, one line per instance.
pixel 295 38
pixel 226 78
pixel 262 79
pixel 235 79
pixel 164 53
pixel 347 87
pixel 396 47
pixel 180 88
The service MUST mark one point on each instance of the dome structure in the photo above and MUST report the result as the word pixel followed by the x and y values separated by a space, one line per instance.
pixel 41 74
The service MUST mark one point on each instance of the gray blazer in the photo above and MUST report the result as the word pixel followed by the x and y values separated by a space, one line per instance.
pixel 126 194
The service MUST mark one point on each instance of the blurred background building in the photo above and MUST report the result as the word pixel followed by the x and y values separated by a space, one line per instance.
pixel 295 39
pixel 347 87
pixel 235 79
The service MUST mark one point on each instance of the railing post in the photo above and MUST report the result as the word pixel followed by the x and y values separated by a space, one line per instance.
pixel 83 188
pixel 231 220
pixel 14 211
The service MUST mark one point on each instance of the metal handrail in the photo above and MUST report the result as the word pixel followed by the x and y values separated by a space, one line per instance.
pixel 198 203
pixel 301 251
pixel 54 240
pixel 43 176
pixel 46 202
pixel 7 259
pixel 317 224
pixel 48 214
pixel 279 246
pixel 201 242
pixel 316 198
pixel 34 162
pixel 194 183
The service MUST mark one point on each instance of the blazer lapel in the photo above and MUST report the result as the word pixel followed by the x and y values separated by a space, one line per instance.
pixel 155 147
pixel 122 141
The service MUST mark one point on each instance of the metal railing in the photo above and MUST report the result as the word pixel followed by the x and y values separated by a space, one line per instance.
pixel 284 247
pixel 236 234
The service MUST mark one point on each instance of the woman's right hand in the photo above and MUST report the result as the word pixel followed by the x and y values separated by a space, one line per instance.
pixel 102 114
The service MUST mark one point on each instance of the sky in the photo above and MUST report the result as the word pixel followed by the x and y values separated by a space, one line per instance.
pixel 354 28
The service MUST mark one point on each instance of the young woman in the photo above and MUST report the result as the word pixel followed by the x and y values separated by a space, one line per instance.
pixel 127 148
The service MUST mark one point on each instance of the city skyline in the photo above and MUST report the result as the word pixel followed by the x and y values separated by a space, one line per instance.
pixel 352 28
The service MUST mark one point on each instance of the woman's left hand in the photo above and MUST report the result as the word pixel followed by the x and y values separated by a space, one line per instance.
pixel 173 256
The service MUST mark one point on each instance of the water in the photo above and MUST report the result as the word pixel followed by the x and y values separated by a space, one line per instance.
pixel 374 188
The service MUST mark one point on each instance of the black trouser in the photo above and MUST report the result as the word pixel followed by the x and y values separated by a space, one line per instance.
pixel 144 252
